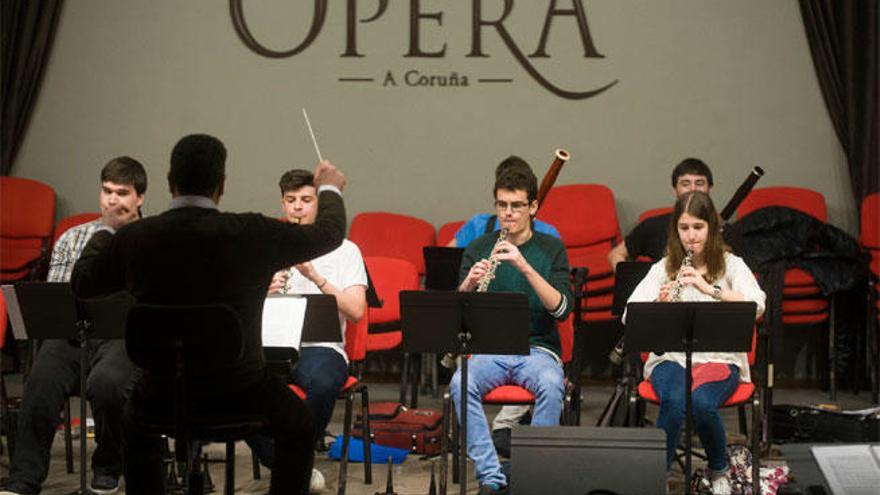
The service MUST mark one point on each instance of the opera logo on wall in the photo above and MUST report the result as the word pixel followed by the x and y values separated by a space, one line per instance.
pixel 482 25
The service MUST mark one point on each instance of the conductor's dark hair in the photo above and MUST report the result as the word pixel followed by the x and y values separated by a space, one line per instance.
pixel 693 166
pixel 198 165
pixel 127 171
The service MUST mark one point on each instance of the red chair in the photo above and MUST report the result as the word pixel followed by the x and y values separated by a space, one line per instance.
pixel 392 235
pixel 869 238
pixel 27 213
pixel 586 218
pixel 5 418
pixel 356 349
pixel 655 212
pixel 447 231
pixel 744 394
pixel 67 223
pixel 803 304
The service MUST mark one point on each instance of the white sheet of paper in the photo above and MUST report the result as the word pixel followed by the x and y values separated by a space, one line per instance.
pixel 283 319
pixel 849 469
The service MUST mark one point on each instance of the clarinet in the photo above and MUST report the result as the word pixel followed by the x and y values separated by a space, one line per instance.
pixel 449 360
pixel 616 354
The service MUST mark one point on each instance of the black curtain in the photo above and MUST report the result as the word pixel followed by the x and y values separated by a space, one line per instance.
pixel 843 41
pixel 28 31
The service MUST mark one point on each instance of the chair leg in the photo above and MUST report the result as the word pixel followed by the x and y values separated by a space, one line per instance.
pixel 416 377
pixel 229 486
pixel 832 354
pixel 741 415
pixel 404 376
pixel 757 431
pixel 366 436
pixel 346 438
pixel 255 463
pixel 68 437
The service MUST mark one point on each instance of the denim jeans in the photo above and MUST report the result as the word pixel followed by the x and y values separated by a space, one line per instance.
pixel 668 379
pixel 539 372
pixel 320 372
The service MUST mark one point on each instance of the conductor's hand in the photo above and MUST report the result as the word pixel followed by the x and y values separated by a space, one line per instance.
pixel 477 271
pixel 327 173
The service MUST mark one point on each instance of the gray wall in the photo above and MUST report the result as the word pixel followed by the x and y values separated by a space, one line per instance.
pixel 730 82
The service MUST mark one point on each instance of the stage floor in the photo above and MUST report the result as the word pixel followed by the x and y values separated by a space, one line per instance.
pixel 411 477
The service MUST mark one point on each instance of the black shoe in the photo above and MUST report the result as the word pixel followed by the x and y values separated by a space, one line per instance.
pixel 9 487
pixel 490 490
pixel 104 483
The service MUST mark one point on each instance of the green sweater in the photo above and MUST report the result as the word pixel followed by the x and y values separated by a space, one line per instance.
pixel 547 256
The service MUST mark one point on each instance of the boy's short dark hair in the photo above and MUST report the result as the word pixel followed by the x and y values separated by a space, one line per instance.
pixel 295 179
pixel 198 165
pixel 127 171
pixel 518 179
pixel 512 162
pixel 692 166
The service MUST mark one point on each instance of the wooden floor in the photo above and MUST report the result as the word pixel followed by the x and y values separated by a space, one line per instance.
pixel 411 477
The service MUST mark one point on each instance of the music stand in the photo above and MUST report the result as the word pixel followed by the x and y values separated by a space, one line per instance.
pixel 442 265
pixel 320 324
pixel 50 310
pixel 689 327
pixel 465 323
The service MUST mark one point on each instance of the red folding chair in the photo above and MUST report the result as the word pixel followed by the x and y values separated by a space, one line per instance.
pixel 869 238
pixel 27 213
pixel 392 235
pixel 67 223
pixel 447 231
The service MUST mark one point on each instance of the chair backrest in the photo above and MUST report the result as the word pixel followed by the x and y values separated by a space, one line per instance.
pixel 3 318
pixel 870 224
pixel 209 337
pixel 392 235
pixel 447 231
pixel 796 198
pixel 356 338
pixel 67 223
pixel 390 276
pixel 654 212
pixel 566 337
pixel 27 213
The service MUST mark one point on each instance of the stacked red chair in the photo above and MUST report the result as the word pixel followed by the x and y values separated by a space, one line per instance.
pixel 392 245
pixel 586 218
pixel 869 238
pixel 447 231
pixel 27 215
pixel 803 304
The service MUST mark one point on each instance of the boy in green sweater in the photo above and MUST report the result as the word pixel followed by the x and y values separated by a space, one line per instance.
pixel 534 264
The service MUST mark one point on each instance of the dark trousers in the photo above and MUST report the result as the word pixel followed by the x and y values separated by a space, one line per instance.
pixel 53 378
pixel 288 422
pixel 320 372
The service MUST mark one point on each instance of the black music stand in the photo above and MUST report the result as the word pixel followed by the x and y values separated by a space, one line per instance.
pixel 320 324
pixel 689 327
pixel 465 323
pixel 50 310
pixel 442 266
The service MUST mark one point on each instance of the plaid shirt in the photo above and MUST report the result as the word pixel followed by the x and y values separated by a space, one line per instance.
pixel 67 250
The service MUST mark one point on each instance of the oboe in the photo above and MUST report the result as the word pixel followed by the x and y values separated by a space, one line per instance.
pixel 616 354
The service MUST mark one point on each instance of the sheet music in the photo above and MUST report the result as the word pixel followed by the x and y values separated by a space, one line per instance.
pixel 849 469
pixel 283 319
pixel 14 310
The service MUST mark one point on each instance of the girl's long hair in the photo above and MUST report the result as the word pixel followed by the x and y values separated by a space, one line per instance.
pixel 698 205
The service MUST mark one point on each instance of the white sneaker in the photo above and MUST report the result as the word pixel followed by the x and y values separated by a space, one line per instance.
pixel 317 485
pixel 721 485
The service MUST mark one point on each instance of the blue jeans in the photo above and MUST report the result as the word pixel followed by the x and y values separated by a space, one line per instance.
pixel 668 380
pixel 320 372
pixel 538 372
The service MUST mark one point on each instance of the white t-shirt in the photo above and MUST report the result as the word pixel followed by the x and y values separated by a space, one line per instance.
pixel 737 277
pixel 343 267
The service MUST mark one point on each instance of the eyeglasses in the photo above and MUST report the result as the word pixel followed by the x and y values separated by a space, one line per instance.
pixel 515 206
